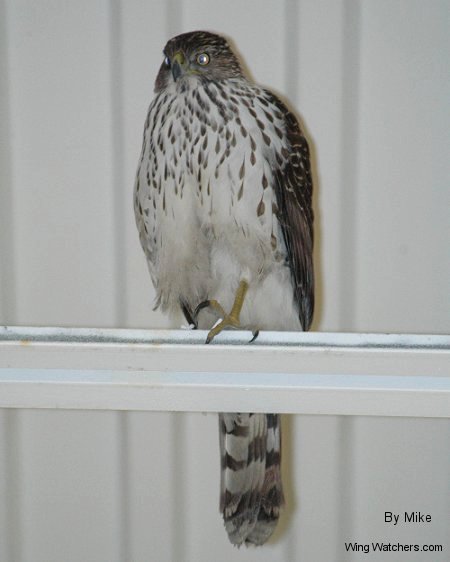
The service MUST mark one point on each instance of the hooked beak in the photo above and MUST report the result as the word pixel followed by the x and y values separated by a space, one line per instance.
pixel 178 64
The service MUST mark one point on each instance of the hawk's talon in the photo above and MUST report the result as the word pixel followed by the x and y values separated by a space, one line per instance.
pixel 255 334
pixel 190 319
pixel 210 303
pixel 228 320
pixel 201 306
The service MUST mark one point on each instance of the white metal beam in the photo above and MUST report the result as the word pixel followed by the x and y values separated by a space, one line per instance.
pixel 303 373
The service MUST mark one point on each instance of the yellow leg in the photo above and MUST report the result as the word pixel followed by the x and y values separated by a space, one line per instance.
pixel 231 320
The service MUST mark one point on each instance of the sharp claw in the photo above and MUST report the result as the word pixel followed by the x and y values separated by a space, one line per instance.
pixel 191 320
pixel 216 329
pixel 255 334
pixel 201 306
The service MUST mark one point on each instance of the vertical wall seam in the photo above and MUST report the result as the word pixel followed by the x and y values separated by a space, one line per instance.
pixel 7 247
pixel 123 464
pixel 351 76
pixel 13 534
pixel 121 432
pixel 118 159
pixel 12 503
pixel 179 505
pixel 350 165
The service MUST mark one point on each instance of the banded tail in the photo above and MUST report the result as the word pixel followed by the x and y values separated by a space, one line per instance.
pixel 251 492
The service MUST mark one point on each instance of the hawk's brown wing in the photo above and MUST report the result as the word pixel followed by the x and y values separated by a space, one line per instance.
pixel 293 188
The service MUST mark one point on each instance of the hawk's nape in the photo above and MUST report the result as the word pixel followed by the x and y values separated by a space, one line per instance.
pixel 223 208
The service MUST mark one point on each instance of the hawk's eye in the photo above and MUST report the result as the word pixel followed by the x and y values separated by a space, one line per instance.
pixel 167 62
pixel 203 59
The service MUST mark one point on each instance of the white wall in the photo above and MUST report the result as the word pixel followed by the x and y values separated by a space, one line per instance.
pixel 370 80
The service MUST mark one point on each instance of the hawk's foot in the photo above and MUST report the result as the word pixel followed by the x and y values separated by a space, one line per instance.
pixel 230 320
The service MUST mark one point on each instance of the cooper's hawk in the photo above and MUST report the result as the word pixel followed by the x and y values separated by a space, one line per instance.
pixel 223 208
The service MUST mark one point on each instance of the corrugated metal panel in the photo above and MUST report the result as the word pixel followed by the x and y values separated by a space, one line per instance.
pixel 403 225
pixel 369 81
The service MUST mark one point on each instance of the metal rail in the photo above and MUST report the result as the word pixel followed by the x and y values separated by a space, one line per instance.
pixel 170 370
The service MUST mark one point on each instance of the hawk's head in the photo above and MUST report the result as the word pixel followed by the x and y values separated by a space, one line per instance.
pixel 197 54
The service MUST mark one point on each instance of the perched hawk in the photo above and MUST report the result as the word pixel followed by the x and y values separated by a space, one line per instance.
pixel 223 208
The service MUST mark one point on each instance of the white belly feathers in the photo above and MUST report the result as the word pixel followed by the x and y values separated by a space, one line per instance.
pixel 205 206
